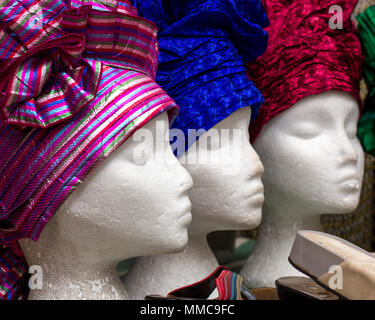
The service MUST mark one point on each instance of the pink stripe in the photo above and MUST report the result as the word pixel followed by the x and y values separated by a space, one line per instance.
pixel 12 11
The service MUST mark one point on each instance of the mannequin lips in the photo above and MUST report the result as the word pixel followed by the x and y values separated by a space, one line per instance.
pixel 185 217
pixel 256 182
pixel 257 199
pixel 351 182
pixel 257 196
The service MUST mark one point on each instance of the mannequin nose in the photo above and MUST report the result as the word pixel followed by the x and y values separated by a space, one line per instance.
pixel 347 150
pixel 180 174
pixel 259 168
pixel 186 183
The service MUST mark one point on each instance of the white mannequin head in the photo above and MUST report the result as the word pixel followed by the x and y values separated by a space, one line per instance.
pixel 110 213
pixel 227 195
pixel 313 165
pixel 132 204
pixel 312 155
pixel 228 192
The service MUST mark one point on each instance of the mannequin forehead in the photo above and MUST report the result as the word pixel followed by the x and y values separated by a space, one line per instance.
pixel 333 106
pixel 239 119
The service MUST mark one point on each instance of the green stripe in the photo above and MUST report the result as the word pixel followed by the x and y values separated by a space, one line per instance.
pixel 5 3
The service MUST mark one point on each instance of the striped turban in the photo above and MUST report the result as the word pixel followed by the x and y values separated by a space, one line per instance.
pixel 76 80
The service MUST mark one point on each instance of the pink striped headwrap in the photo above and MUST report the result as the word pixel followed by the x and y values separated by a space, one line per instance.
pixel 76 80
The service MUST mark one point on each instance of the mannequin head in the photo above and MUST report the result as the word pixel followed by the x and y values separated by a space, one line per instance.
pixel 127 207
pixel 228 192
pixel 312 156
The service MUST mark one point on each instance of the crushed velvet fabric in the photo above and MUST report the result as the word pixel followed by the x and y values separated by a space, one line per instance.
pixel 203 48
pixel 305 56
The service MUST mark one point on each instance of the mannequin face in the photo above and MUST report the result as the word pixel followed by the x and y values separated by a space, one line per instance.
pixel 132 204
pixel 227 193
pixel 312 156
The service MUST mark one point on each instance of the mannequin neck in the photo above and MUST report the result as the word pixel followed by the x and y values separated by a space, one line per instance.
pixel 68 272
pixel 285 216
pixel 281 221
pixel 198 255
pixel 198 244
pixel 164 273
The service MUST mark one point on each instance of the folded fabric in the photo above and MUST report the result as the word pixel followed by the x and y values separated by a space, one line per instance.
pixel 79 81
pixel 366 128
pixel 203 48
pixel 305 55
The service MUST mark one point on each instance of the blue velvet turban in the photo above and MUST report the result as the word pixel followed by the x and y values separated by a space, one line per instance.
pixel 204 46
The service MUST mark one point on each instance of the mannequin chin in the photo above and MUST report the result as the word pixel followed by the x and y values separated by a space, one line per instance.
pixel 227 195
pixel 314 165
pixel 131 204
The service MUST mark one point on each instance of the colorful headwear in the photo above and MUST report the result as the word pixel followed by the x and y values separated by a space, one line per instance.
pixel 305 56
pixel 366 128
pixel 203 48
pixel 76 82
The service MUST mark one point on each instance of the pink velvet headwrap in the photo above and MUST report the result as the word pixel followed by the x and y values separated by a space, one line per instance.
pixel 305 56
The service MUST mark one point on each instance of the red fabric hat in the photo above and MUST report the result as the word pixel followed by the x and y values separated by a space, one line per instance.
pixel 305 56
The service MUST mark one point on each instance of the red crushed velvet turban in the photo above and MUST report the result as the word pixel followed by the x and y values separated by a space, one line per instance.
pixel 305 56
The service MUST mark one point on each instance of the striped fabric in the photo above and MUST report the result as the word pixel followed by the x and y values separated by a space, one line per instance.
pixel 45 51
pixel 13 273
pixel 228 284
pixel 80 82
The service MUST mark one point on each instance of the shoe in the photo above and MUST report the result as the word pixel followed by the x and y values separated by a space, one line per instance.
pixel 301 288
pixel 228 284
pixel 335 264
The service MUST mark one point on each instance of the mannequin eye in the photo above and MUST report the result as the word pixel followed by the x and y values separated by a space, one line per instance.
pixel 306 130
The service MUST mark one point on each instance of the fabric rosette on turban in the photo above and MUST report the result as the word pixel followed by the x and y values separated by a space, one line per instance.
pixel 305 55
pixel 77 80
pixel 366 129
pixel 204 46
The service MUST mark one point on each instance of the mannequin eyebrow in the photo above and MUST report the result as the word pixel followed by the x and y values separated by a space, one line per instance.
pixel 315 117
pixel 320 114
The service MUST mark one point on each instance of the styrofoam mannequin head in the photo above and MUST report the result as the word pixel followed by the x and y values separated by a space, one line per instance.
pixel 313 165
pixel 312 156
pixel 227 195
pixel 227 192
pixel 134 203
